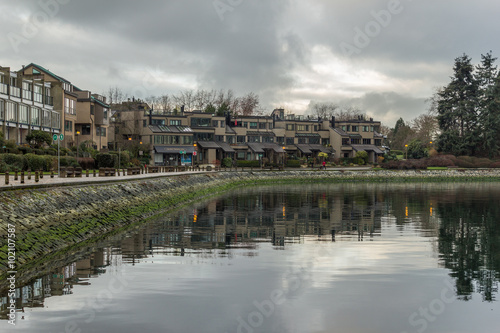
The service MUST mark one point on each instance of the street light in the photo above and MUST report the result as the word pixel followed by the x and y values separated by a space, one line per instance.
pixel 77 146
pixel 406 147
pixel 284 152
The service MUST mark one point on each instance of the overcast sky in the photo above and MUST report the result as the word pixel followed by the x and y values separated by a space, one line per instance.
pixel 383 56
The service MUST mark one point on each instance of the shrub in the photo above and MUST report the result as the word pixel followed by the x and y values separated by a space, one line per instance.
pixel 14 162
pixel 495 165
pixel 248 164
pixel 34 162
pixel 123 157
pixel 87 163
pixel 106 160
pixel 439 161
pixel 227 162
pixel 293 163
pixel 25 150
pixel 50 162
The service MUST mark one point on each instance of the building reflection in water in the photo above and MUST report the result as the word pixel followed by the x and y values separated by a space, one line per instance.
pixel 243 219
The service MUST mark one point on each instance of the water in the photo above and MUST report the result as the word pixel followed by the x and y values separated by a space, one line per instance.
pixel 312 258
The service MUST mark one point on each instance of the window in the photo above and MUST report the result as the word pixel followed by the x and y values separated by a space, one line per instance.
pixel 23 114
pixel 203 137
pixel 219 138
pixel 314 140
pixel 280 140
pixel 215 123
pixel 262 125
pixel 367 141
pixel 302 127
pixel 105 113
pixel 290 127
pixel 267 139
pixel 175 122
pixel 85 129
pixel 253 125
pixel 289 141
pixel 187 140
pixel 69 106
pixel 68 126
pixel 27 88
pixel 245 124
pixel 92 109
pixel 253 138
pixel 35 116
pixel 158 122
pixel 325 142
pixel 56 119
pixel 46 118
pixel 241 155
pixel 200 122
pixel 378 142
pixel 366 128
pixel 302 140
pixel 230 139
pixel 11 112
pixel 144 123
pixel 355 128
pixel 355 141
pixel 345 141
pixel 2 110
pixel 100 131
pixel 240 139
pixel 37 95
pixel 315 128
pixel 270 125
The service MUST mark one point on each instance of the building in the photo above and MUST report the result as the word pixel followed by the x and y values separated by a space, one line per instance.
pixel 26 104
pixel 187 138
pixel 34 98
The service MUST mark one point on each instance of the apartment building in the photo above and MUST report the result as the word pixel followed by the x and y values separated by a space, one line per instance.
pixel 79 114
pixel 186 138
pixel 26 104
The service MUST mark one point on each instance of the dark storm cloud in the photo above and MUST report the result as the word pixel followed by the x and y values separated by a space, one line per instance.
pixel 268 47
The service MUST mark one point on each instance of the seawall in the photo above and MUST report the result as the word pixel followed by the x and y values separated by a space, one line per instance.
pixel 56 220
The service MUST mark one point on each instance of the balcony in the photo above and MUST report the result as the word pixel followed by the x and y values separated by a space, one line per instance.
pixel 4 89
pixel 27 95
pixel 37 97
pixel 15 91
pixel 49 100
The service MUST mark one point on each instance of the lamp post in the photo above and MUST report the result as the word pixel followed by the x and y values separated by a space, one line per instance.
pixel 77 134
pixel 406 151
pixel 284 153
pixel 194 153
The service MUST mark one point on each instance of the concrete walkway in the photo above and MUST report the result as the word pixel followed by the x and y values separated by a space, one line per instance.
pixel 46 181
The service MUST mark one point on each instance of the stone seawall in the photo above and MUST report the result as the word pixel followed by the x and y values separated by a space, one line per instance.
pixel 53 221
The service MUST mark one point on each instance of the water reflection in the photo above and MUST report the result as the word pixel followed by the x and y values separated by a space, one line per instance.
pixel 460 221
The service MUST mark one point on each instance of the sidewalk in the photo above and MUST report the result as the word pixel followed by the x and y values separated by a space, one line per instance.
pixel 46 181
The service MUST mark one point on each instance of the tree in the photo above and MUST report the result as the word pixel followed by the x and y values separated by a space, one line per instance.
pixel 417 149
pixel 210 109
pixel 39 137
pixel 426 127
pixel 114 95
pixel 457 106
pixel 222 109
pixel 248 104
pixel 323 110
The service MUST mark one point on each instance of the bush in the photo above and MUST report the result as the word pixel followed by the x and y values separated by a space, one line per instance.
pixel 123 159
pixel 34 162
pixel 293 163
pixel 495 165
pixel 106 160
pixel 25 150
pixel 69 161
pixel 14 162
pixel 248 164
pixel 50 162
pixel 227 162
pixel 439 161
pixel 87 163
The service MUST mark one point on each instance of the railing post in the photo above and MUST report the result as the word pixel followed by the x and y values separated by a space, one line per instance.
pixel 36 177
pixel 16 177
pixel 41 173
pixel 7 178
pixel 51 173
pixel 22 177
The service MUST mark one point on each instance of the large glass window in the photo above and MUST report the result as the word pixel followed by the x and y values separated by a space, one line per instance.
pixel 355 128
pixel 203 136
pixel 314 140
pixel 23 114
pixel 35 116
pixel 86 130
pixel 302 127
pixel 289 141
pixel 240 139
pixel 46 118
pixel 2 110
pixel 230 139
pixel 38 94
pixel 345 141
pixel 175 122
pixel 158 122
pixel 56 119
pixel 262 125
pixel 280 140
pixel 200 122
pixel 253 138
pixel 290 127
pixel 68 126
pixel 253 125
pixel 11 112
pixel 367 141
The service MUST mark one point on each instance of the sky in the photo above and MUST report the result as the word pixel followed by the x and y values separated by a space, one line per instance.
pixel 385 57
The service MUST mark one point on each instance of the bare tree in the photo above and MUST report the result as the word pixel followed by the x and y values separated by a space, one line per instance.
pixel 185 98
pixel 426 127
pixel 348 113
pixel 248 104
pixel 323 109
pixel 114 95
pixel 165 103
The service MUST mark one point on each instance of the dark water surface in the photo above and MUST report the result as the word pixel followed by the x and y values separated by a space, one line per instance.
pixel 312 258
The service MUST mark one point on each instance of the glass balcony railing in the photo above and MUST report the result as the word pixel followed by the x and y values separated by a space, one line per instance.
pixel 37 97
pixel 49 100
pixel 15 91
pixel 27 95
pixel 4 88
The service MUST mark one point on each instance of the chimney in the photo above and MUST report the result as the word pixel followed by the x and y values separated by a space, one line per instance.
pixel 333 122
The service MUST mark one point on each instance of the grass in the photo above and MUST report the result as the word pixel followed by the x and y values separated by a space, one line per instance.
pixel 437 168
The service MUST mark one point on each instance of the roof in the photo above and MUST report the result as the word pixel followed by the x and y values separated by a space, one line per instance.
pixel 321 148
pixel 339 131
pixel 170 129
pixel 304 148
pixel 101 103
pixel 208 144
pixel 307 135
pixel 256 147
pixel 173 149
pixel 226 147
pixel 373 148
pixel 355 136
pixel 261 133
pixel 40 68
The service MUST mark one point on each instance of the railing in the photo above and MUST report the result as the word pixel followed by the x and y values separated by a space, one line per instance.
pixel 27 95
pixel 49 100
pixel 4 88
pixel 15 91
pixel 37 97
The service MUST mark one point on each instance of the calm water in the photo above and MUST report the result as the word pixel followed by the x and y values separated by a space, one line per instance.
pixel 312 258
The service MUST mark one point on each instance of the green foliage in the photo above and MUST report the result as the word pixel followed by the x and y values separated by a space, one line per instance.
pixel 210 108
pixel 39 137
pixel 293 163
pixel 69 161
pixel 223 108
pixel 417 149
pixel 361 157
pixel 122 157
pixel 248 164
pixel 35 162
pixel 13 162
pixel 104 160
pixel 227 162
